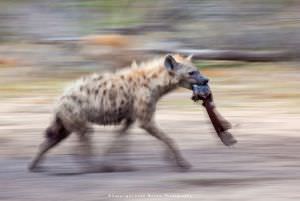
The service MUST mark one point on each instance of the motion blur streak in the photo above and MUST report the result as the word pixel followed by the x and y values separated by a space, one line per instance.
pixel 44 45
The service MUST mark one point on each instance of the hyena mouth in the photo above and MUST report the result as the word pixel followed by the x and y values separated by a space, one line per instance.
pixel 200 92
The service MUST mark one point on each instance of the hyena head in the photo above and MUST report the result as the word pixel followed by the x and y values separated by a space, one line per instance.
pixel 185 72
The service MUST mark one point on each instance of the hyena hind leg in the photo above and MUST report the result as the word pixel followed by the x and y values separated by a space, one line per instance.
pixel 54 135
pixel 84 150
pixel 116 157
pixel 119 143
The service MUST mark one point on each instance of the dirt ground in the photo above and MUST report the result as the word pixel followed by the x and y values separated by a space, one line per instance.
pixel 262 102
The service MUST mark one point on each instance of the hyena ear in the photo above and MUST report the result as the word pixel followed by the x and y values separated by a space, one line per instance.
pixel 170 63
pixel 190 57
pixel 134 64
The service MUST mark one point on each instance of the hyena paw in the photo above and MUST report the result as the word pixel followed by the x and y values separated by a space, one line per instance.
pixel 32 168
pixel 184 165
pixel 227 138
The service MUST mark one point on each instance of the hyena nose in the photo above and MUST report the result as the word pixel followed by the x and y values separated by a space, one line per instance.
pixel 205 81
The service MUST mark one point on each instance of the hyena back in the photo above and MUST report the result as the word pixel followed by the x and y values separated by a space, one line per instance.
pixel 124 97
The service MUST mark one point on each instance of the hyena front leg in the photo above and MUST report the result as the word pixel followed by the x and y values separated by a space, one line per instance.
pixel 153 130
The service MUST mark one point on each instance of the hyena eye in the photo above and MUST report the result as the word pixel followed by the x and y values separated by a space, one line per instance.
pixel 192 73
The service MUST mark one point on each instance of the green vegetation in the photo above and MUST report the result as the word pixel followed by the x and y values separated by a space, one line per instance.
pixel 117 13
pixel 219 64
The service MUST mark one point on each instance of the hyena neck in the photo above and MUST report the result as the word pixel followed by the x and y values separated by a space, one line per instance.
pixel 161 82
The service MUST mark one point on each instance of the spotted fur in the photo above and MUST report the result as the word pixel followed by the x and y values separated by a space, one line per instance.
pixel 107 99
pixel 126 96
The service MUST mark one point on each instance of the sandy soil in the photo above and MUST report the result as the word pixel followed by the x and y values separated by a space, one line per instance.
pixel 261 101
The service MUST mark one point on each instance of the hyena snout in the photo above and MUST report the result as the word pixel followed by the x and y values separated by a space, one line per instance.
pixel 204 81
pixel 197 78
pixel 201 80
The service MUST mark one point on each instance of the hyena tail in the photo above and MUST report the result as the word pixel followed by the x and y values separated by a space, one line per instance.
pixel 54 134
pixel 57 130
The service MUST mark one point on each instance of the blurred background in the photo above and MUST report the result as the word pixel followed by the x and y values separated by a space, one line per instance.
pixel 248 48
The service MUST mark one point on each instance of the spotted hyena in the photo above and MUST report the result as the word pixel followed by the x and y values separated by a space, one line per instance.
pixel 123 97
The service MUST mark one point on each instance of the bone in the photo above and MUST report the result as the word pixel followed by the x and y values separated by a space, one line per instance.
pixel 220 124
